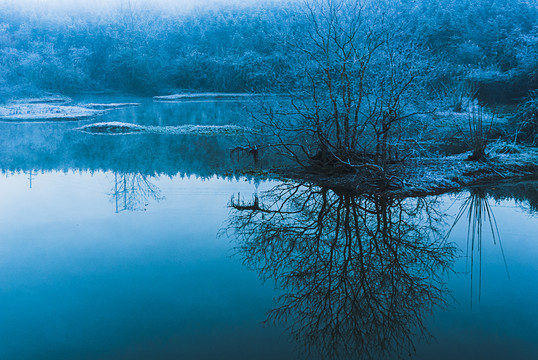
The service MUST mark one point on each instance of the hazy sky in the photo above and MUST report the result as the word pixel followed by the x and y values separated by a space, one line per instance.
pixel 94 4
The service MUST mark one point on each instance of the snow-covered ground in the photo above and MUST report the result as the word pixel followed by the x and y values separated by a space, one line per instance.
pixel 111 128
pixel 110 106
pixel 505 161
pixel 199 130
pixel 45 111
pixel 54 108
pixel 52 99
pixel 128 128
pixel 205 97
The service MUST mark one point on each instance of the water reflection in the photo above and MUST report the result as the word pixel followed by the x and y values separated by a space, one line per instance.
pixel 52 146
pixel 133 191
pixel 478 212
pixel 357 274
pixel 525 194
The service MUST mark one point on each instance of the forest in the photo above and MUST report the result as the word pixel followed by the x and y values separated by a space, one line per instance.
pixel 364 76
pixel 268 179
pixel 489 44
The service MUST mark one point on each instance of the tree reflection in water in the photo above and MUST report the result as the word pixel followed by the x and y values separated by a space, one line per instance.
pixel 133 190
pixel 477 210
pixel 357 273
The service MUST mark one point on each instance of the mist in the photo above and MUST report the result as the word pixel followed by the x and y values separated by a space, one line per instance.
pixel 98 6
pixel 132 130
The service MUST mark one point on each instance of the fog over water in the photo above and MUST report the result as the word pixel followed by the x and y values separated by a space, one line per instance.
pixel 268 179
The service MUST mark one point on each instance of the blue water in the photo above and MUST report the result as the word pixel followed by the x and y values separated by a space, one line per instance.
pixel 495 317
pixel 79 280
pixel 127 247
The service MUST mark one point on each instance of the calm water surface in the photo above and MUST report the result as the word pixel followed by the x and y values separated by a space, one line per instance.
pixel 145 246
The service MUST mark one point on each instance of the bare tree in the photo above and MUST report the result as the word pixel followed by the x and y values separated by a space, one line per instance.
pixel 362 69
pixel 357 273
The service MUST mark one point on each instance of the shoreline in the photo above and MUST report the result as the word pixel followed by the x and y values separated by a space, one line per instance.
pixel 505 164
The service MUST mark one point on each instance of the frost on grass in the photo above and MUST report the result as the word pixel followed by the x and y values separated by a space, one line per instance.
pixel 128 128
pixel 504 161
pixel 111 106
pixel 206 130
pixel 54 108
pixel 52 99
pixel 42 111
pixel 205 97
pixel 111 128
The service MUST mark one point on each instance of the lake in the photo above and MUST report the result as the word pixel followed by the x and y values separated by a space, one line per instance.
pixel 158 246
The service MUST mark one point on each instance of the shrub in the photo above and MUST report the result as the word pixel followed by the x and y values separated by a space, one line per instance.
pixel 525 120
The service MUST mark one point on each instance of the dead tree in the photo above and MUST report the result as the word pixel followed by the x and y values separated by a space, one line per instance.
pixel 360 70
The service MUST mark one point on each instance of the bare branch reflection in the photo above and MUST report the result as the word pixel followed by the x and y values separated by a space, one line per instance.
pixel 477 210
pixel 357 273
pixel 133 191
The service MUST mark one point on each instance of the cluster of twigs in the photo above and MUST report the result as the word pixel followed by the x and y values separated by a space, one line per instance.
pixel 478 211
pixel 479 126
